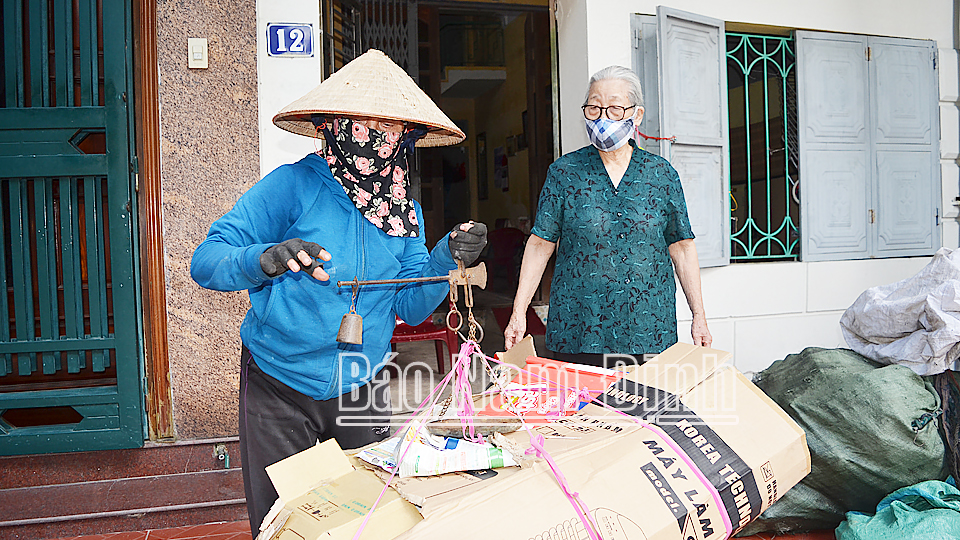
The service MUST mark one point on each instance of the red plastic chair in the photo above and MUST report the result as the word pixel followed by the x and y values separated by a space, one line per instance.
pixel 439 333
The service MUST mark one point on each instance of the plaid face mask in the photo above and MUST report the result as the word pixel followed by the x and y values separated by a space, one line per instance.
pixel 608 135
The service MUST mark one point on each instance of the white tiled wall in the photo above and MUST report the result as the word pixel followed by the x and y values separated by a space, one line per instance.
pixel 835 285
pixel 281 80
pixel 762 312
pixel 949 75
pixel 760 342
pixel 748 290
pixel 949 131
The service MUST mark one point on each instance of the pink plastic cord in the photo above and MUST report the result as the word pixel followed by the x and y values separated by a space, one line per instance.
pixel 667 440
pixel 463 393
pixel 715 495
pixel 437 390
pixel 536 443
pixel 536 447
pixel 466 412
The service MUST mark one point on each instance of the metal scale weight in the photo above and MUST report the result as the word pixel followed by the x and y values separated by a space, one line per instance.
pixel 351 326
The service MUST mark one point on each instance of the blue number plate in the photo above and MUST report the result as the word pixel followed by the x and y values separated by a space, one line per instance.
pixel 289 39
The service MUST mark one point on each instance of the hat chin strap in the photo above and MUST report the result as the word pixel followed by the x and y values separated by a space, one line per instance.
pixel 411 137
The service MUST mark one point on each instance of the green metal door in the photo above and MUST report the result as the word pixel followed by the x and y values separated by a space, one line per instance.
pixel 69 361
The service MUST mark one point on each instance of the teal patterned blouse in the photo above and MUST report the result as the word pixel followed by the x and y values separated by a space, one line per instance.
pixel 613 288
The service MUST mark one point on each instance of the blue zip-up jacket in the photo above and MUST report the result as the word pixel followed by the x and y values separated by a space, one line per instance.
pixel 291 327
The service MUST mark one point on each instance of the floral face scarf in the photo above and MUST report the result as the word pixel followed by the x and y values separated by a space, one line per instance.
pixel 371 165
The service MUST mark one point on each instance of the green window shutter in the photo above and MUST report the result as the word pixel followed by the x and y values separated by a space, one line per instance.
pixel 693 108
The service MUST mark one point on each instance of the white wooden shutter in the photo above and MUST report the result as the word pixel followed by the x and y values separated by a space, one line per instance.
pixel 869 147
pixel 834 146
pixel 643 30
pixel 905 119
pixel 693 108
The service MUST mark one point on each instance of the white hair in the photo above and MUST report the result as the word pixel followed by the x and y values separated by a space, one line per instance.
pixel 635 92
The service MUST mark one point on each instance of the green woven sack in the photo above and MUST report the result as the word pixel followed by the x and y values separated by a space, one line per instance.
pixel 859 417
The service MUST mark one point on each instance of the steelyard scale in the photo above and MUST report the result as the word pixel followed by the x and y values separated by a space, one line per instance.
pixel 351 326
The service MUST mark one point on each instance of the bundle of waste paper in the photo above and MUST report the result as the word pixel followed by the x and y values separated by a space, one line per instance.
pixel 427 454
pixel 681 447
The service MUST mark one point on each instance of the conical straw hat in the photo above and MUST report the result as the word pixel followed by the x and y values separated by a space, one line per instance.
pixel 370 85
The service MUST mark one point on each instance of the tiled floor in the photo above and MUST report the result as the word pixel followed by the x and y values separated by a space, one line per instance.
pixel 237 530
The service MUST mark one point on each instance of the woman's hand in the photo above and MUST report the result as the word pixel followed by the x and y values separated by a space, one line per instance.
pixel 535 256
pixel 515 331
pixel 295 254
pixel 466 241
pixel 699 331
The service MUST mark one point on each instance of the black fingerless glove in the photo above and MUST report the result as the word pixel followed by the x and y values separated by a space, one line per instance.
pixel 467 245
pixel 274 260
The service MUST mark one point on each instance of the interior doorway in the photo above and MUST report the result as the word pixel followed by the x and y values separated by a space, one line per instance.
pixel 489 69
pixel 489 66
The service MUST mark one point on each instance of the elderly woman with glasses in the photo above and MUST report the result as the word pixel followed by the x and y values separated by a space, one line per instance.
pixel 616 216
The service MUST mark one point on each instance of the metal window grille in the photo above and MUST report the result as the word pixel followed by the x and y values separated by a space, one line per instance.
pixel 764 171
pixel 340 33
pixel 391 26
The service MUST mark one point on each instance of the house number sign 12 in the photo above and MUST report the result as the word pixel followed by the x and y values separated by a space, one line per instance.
pixel 289 39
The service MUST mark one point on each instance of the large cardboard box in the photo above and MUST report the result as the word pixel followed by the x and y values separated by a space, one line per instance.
pixel 696 453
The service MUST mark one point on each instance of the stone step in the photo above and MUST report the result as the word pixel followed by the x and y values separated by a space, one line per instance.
pixel 154 459
pixel 158 486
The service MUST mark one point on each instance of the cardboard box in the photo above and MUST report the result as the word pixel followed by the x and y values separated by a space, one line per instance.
pixel 323 495
pixel 702 453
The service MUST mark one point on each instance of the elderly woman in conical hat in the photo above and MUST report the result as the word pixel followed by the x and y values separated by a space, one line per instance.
pixel 353 199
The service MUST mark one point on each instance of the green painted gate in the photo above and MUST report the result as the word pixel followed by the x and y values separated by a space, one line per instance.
pixel 70 370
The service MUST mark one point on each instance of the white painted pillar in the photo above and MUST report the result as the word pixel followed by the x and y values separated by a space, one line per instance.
pixel 949 67
pixel 281 80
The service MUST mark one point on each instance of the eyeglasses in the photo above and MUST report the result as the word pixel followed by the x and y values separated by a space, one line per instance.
pixel 614 112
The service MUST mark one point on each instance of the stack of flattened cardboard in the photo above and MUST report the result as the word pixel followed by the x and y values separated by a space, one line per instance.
pixel 710 453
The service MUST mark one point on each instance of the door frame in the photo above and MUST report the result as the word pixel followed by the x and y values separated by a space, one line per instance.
pixel 148 185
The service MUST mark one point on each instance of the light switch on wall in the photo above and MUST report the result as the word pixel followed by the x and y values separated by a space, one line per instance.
pixel 197 53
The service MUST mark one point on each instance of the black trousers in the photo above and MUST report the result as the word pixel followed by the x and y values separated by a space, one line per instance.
pixel 276 422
